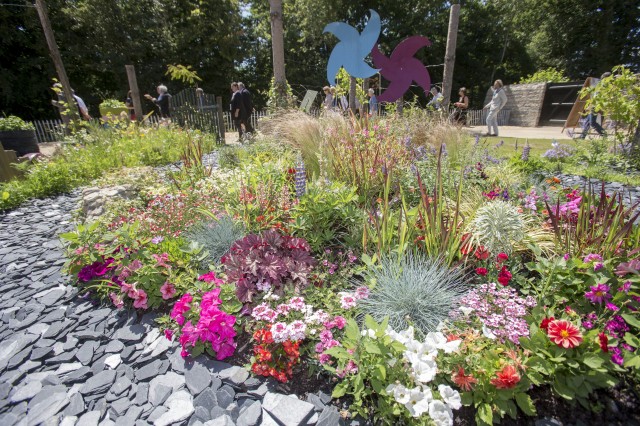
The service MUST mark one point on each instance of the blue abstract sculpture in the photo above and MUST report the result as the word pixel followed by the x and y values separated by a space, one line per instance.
pixel 353 48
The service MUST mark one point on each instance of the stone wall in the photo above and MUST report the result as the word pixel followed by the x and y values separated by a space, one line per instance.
pixel 524 101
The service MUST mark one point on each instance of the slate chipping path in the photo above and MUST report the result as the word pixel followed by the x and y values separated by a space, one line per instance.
pixel 65 360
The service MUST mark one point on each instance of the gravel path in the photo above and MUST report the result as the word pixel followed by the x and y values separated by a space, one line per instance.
pixel 65 360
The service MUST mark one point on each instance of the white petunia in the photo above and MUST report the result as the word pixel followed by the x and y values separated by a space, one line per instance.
pixel 450 396
pixel 425 370
pixel 487 333
pixel 439 341
pixel 399 392
pixel 440 413
pixel 421 350
pixel 451 346
pixel 369 332
pixel 418 403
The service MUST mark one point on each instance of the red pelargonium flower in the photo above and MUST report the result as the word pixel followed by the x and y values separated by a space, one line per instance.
pixel 507 378
pixel 481 253
pixel 544 325
pixel 502 257
pixel 564 334
pixel 481 271
pixel 464 381
pixel 604 341
pixel 504 276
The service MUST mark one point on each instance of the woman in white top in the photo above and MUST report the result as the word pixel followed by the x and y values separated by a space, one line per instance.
pixel 328 98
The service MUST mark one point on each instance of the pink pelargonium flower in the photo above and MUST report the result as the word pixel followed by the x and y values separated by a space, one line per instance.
pixel 140 301
pixel 168 290
pixel 297 303
pixel 339 322
pixel 117 300
pixel 362 292
pixel 347 301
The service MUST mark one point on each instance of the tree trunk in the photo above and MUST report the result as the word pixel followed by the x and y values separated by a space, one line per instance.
pixel 352 94
pixel 277 45
pixel 450 55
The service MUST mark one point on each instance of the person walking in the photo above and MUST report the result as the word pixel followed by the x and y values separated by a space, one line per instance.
pixel 436 101
pixel 247 102
pixel 237 108
pixel 498 101
pixel 373 102
pixel 162 101
pixel 460 114
pixel 591 120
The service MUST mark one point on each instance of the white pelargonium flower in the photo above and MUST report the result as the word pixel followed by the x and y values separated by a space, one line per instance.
pixel 487 333
pixel 399 392
pixel 424 370
pixel 465 310
pixel 418 402
pixel 450 396
pixel 440 413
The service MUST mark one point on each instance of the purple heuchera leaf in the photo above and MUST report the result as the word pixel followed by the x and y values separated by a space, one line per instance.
pixel 278 259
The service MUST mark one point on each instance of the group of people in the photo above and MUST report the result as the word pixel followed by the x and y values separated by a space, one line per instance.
pixel 333 103
pixel 241 109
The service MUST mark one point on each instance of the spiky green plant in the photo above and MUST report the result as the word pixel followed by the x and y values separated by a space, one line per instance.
pixel 215 236
pixel 498 226
pixel 412 290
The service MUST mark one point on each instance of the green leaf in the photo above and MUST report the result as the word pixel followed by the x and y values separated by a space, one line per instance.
pixel 632 340
pixel 371 347
pixel 526 404
pixel 632 362
pixel 631 320
pixel 380 372
pixel 338 352
pixel 370 322
pixel 377 386
pixel 339 390
pixel 351 330
pixel 5 195
pixel 484 414
pixel 592 361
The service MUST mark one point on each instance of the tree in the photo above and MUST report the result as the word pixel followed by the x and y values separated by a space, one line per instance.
pixel 277 45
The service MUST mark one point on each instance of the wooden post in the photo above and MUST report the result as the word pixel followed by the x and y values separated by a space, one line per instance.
pixel 135 92
pixel 41 7
pixel 450 54
pixel 220 120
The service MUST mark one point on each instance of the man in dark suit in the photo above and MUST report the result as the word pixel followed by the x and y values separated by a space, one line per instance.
pixel 248 107
pixel 237 108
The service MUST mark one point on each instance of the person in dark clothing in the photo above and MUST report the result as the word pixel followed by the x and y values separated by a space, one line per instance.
pixel 591 120
pixel 162 102
pixel 248 107
pixel 237 108
pixel 129 103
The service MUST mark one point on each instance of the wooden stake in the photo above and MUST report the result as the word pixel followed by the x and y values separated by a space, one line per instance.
pixel 450 54
pixel 135 92
pixel 41 7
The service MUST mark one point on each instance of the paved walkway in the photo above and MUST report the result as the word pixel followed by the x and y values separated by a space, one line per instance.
pixel 523 132
pixel 65 360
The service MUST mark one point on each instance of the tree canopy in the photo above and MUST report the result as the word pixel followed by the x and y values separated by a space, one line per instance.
pixel 226 40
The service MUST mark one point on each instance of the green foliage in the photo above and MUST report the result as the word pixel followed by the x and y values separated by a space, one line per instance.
pixel 14 123
pixel 327 216
pixel 498 226
pixel 112 103
pixel 549 75
pixel 87 156
pixel 412 290
pixel 280 97
pixel 186 74
pixel 617 96
pixel 216 237
pixel 193 169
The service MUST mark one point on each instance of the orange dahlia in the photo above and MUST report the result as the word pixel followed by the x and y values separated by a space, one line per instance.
pixel 507 378
pixel 564 334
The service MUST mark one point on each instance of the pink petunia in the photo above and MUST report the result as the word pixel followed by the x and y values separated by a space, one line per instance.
pixel 117 300
pixel 168 290
pixel 140 301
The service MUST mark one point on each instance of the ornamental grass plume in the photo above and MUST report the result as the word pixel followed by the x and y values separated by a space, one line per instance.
pixel 216 237
pixel 412 290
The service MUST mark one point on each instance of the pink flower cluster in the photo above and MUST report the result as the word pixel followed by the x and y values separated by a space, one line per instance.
pixel 95 270
pixel 501 310
pixel 139 296
pixel 349 300
pixel 214 326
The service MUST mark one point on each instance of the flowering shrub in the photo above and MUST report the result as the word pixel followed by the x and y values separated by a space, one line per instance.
pixel 272 358
pixel 270 261
pixel 141 272
pixel 393 372
pixel 203 321
pixel 499 312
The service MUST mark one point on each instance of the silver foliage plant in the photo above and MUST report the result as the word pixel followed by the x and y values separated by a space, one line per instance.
pixel 498 226
pixel 413 290
pixel 216 237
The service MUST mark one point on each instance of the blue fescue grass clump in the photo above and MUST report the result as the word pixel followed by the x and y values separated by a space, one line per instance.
pixel 412 290
pixel 216 237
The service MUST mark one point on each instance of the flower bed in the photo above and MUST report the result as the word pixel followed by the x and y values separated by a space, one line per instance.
pixel 413 295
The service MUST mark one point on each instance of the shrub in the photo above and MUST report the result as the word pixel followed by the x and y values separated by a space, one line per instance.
pixel 498 226
pixel 549 75
pixel 412 290
pixel 270 261
pixel 14 123
pixel 216 237
pixel 112 103
pixel 326 216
